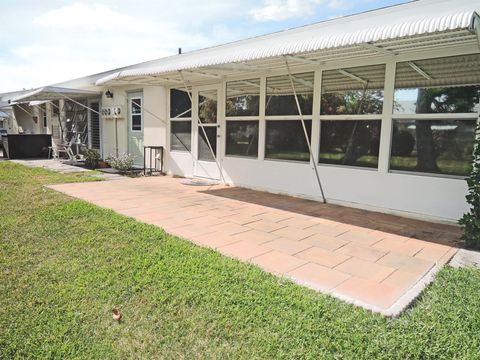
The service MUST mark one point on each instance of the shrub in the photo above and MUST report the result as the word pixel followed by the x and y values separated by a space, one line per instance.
pixel 122 163
pixel 92 157
pixel 471 220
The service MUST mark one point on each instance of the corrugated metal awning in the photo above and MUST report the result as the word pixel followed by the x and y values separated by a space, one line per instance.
pixel 408 27
pixel 49 93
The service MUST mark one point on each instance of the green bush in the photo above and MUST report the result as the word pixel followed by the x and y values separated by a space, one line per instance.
pixel 92 157
pixel 122 163
pixel 471 220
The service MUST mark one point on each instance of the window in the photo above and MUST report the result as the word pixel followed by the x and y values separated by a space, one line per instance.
pixel 44 115
pixel 354 91
pixel 207 106
pixel 243 98
pixel 433 146
pixel 280 99
pixel 180 104
pixel 136 112
pixel 285 140
pixel 181 136
pixel 180 121
pixel 435 104
pixel 204 152
pixel 242 138
pixel 441 85
pixel 350 142
pixel 95 125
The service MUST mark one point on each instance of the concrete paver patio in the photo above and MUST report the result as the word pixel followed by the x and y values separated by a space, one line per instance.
pixel 378 261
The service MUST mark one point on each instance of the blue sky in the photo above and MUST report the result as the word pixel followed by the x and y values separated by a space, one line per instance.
pixel 43 42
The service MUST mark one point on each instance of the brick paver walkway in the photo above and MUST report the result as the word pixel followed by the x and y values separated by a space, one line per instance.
pixel 378 261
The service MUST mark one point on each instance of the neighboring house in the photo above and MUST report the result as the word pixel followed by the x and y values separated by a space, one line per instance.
pixel 388 98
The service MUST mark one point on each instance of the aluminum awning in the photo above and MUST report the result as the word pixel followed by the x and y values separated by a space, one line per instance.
pixel 50 93
pixel 415 26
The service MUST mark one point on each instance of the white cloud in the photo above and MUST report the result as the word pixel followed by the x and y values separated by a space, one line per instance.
pixel 82 39
pixel 339 4
pixel 80 15
pixel 44 42
pixel 277 10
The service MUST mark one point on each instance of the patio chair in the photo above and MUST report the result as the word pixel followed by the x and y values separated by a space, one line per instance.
pixel 56 150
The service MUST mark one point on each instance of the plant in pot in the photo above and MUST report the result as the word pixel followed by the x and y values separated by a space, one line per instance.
pixel 92 158
pixel 122 163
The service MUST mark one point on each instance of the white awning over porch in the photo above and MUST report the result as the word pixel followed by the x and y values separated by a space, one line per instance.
pixel 50 93
pixel 397 30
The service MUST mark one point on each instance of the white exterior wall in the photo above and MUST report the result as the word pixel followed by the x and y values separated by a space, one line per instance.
pixel 154 111
pixel 415 195
pixel 425 196
pixel 108 125
pixel 155 116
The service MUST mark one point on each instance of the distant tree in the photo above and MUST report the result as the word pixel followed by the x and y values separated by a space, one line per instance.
pixel 244 105
pixel 363 138
pixel 438 100
pixel 352 102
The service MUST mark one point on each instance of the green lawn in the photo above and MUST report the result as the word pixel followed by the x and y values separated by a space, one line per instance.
pixel 64 264
pixel 445 166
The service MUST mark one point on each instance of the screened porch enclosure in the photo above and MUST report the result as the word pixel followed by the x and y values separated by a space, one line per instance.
pixel 71 116
pixel 435 103
pixel 416 117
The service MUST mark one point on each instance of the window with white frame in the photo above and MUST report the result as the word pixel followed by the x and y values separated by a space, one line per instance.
pixel 353 91
pixel 285 140
pixel 180 120
pixel 350 142
pixel 280 100
pixel 435 110
pixel 284 133
pixel 350 115
pixel 136 114
pixel 242 117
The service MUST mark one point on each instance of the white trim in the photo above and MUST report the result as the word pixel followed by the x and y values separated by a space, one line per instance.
pixel 351 117
pixel 262 125
pixel 428 174
pixel 287 117
pixel 387 122
pixel 436 116
pixel 131 100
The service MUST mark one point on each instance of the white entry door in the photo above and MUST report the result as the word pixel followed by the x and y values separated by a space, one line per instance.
pixel 135 127
pixel 207 133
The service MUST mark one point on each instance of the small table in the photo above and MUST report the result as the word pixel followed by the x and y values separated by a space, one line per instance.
pixel 156 155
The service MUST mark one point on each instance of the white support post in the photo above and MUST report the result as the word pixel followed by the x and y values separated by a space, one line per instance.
pixel 317 94
pixel 262 126
pixel 387 121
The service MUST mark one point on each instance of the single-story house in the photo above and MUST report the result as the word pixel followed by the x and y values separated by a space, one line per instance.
pixel 376 110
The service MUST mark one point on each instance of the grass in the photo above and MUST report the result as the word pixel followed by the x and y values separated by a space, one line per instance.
pixel 337 158
pixel 445 166
pixel 65 263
